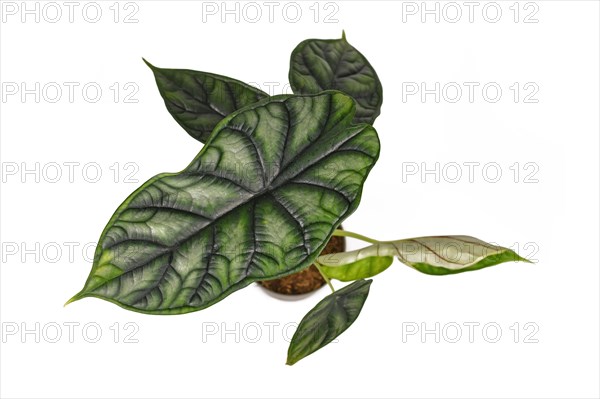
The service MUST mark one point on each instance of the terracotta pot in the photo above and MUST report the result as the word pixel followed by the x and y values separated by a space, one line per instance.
pixel 308 279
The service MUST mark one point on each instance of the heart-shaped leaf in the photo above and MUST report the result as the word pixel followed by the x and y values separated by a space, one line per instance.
pixel 260 201
pixel 326 321
pixel 430 255
pixel 199 100
pixel 318 65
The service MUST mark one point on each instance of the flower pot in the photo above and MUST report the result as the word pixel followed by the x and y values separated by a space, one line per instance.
pixel 307 280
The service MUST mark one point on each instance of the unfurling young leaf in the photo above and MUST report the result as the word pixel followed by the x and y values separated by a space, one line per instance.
pixel 326 321
pixel 318 65
pixel 199 100
pixel 260 201
pixel 430 255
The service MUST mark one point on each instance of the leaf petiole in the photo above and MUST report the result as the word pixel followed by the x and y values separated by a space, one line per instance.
pixel 345 233
pixel 327 280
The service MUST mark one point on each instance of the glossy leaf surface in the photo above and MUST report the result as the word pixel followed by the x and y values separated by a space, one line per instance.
pixel 318 65
pixel 199 100
pixel 326 321
pixel 260 201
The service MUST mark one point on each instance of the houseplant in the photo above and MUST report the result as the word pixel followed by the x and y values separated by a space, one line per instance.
pixel 274 180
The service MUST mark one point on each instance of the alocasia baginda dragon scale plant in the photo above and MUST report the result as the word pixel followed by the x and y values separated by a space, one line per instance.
pixel 184 241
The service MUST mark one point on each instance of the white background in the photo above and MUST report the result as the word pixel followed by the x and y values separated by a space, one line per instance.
pixel 554 221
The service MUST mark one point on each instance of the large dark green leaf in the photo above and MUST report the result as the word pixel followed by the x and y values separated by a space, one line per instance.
pixel 199 100
pixel 326 321
pixel 318 65
pixel 431 255
pixel 260 201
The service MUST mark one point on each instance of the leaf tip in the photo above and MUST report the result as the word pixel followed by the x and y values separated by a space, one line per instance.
pixel 76 297
pixel 149 64
pixel 521 259
pixel 344 35
pixel 290 362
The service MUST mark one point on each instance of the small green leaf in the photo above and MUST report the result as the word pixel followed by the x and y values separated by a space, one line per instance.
pixel 430 255
pixel 318 65
pixel 260 201
pixel 328 320
pixel 359 269
pixel 199 100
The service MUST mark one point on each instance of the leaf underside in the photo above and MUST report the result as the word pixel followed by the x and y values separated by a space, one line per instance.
pixel 431 255
pixel 198 101
pixel 260 201
pixel 318 65
pixel 358 269
pixel 326 321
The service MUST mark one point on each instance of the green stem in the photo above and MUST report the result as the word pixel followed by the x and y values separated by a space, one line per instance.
pixel 327 280
pixel 345 233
